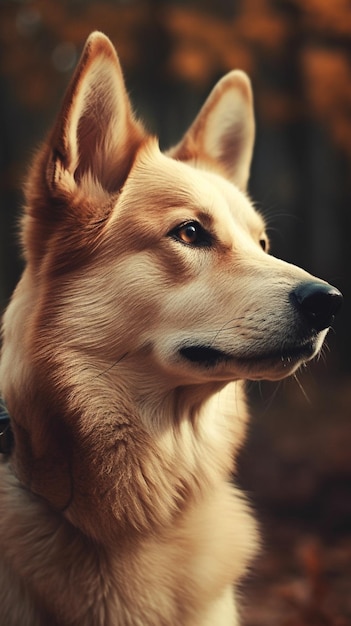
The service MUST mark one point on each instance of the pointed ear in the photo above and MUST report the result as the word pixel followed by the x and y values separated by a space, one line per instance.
pixel 96 135
pixel 222 135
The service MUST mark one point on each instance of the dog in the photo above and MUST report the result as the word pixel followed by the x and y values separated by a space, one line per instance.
pixel 147 300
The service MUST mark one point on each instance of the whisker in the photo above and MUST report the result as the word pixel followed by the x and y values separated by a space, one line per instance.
pixel 108 369
pixel 226 327
pixel 273 395
pixel 301 387
pixel 268 401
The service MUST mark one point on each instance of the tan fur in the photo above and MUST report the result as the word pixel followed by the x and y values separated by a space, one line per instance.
pixel 116 506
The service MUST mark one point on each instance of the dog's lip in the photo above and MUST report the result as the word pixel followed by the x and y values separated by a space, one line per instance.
pixel 203 355
pixel 287 353
pixel 279 364
pixel 284 356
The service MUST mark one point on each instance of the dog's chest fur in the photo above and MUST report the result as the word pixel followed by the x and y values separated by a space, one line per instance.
pixel 147 299
pixel 166 576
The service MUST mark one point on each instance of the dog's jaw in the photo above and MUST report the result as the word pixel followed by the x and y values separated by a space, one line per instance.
pixel 274 364
pixel 282 363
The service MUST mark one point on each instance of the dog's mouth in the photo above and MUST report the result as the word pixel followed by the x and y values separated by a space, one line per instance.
pixel 285 358
pixel 204 355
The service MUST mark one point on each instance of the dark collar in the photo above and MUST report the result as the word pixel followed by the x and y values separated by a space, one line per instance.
pixel 6 434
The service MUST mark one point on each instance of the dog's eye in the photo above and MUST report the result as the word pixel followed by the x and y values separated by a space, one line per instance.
pixel 192 234
pixel 263 243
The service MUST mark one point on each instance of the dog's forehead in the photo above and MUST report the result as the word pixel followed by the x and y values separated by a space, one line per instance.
pixel 162 183
pixel 236 202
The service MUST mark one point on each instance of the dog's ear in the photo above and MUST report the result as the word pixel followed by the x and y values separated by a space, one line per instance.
pixel 96 135
pixel 222 135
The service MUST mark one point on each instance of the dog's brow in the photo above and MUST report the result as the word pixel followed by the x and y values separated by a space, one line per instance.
pixel 205 217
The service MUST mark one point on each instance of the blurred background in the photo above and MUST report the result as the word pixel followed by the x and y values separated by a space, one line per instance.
pixel 296 466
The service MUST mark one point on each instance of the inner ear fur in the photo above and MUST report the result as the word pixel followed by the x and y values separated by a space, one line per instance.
pixel 222 135
pixel 96 136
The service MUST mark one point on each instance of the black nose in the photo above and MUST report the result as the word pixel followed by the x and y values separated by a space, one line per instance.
pixel 319 303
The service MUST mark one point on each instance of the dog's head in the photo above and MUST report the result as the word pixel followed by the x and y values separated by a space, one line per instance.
pixel 146 271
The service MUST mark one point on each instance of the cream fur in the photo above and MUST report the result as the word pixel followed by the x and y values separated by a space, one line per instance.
pixel 117 506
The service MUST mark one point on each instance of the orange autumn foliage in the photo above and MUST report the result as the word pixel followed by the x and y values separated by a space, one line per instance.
pixel 203 43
